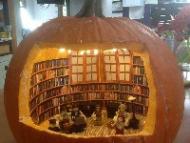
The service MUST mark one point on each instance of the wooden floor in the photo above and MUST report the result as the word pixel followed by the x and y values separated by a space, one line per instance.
pixel 97 131
pixel 183 135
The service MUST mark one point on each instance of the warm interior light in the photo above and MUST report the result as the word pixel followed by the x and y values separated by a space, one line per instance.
pixel 81 52
pixel 88 52
pixel 69 51
pixel 114 49
pixel 61 50
pixel 95 52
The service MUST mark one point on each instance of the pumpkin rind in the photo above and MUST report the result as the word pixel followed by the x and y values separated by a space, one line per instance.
pixel 71 30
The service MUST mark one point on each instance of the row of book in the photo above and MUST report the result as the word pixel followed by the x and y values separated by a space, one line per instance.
pixel 41 114
pixel 49 74
pixel 34 116
pixel 86 97
pixel 48 105
pixel 137 60
pixel 37 91
pixel 50 64
pixel 142 100
pixel 108 93
pixel 49 84
pixel 89 96
pixel 35 100
pixel 140 90
pixel 139 79
pixel 61 81
pixel 137 108
pixel 47 114
pixel 138 70
pixel 102 87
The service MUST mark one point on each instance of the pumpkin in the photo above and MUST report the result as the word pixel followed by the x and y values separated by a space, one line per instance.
pixel 84 33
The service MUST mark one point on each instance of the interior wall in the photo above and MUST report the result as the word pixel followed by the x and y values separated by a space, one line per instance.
pixel 45 13
pixel 41 13
pixel 15 22
pixel 107 8
pixel 136 12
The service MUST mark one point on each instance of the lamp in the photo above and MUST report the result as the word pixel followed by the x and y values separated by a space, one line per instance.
pixel 133 122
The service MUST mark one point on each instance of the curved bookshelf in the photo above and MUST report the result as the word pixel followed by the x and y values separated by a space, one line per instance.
pixel 59 82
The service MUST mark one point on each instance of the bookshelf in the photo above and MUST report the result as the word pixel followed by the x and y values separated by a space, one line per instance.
pixel 82 79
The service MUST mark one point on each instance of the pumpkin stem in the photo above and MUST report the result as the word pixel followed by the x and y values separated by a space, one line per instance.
pixel 91 8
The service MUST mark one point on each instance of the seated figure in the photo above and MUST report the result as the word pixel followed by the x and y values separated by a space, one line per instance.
pixel 53 125
pixel 97 116
pixel 121 119
pixel 65 122
pixel 78 119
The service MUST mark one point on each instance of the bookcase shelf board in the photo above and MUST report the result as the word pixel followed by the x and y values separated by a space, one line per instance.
pixel 81 78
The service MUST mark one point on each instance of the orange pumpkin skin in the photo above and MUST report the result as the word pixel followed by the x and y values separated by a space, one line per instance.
pixel 71 30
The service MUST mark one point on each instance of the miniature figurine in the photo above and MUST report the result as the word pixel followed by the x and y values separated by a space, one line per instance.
pixel 133 122
pixel 97 116
pixel 122 112
pixel 104 114
pixel 53 125
pixel 120 125
pixel 137 89
pixel 65 121
pixel 121 119
pixel 69 110
pixel 79 120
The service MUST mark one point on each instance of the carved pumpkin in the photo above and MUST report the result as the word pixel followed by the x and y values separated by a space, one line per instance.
pixel 165 106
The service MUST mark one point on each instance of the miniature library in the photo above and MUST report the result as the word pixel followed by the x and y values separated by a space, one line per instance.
pixel 90 90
